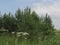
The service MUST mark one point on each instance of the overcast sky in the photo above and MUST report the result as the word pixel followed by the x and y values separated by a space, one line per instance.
pixel 52 7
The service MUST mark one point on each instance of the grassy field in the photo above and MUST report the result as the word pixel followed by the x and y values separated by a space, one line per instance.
pixel 12 40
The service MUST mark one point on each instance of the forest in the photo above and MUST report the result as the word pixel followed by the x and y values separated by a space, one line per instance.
pixel 26 27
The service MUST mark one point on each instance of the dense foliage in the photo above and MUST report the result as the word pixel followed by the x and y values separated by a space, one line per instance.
pixel 28 21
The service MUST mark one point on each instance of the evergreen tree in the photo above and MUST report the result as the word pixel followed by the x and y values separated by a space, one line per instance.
pixel 47 26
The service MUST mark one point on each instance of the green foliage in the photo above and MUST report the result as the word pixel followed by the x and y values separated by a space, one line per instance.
pixel 47 27
pixel 9 22
pixel 28 21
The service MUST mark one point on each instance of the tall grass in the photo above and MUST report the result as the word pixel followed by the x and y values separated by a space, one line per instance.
pixel 12 40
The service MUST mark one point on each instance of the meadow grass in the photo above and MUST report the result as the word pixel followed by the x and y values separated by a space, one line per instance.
pixel 12 40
